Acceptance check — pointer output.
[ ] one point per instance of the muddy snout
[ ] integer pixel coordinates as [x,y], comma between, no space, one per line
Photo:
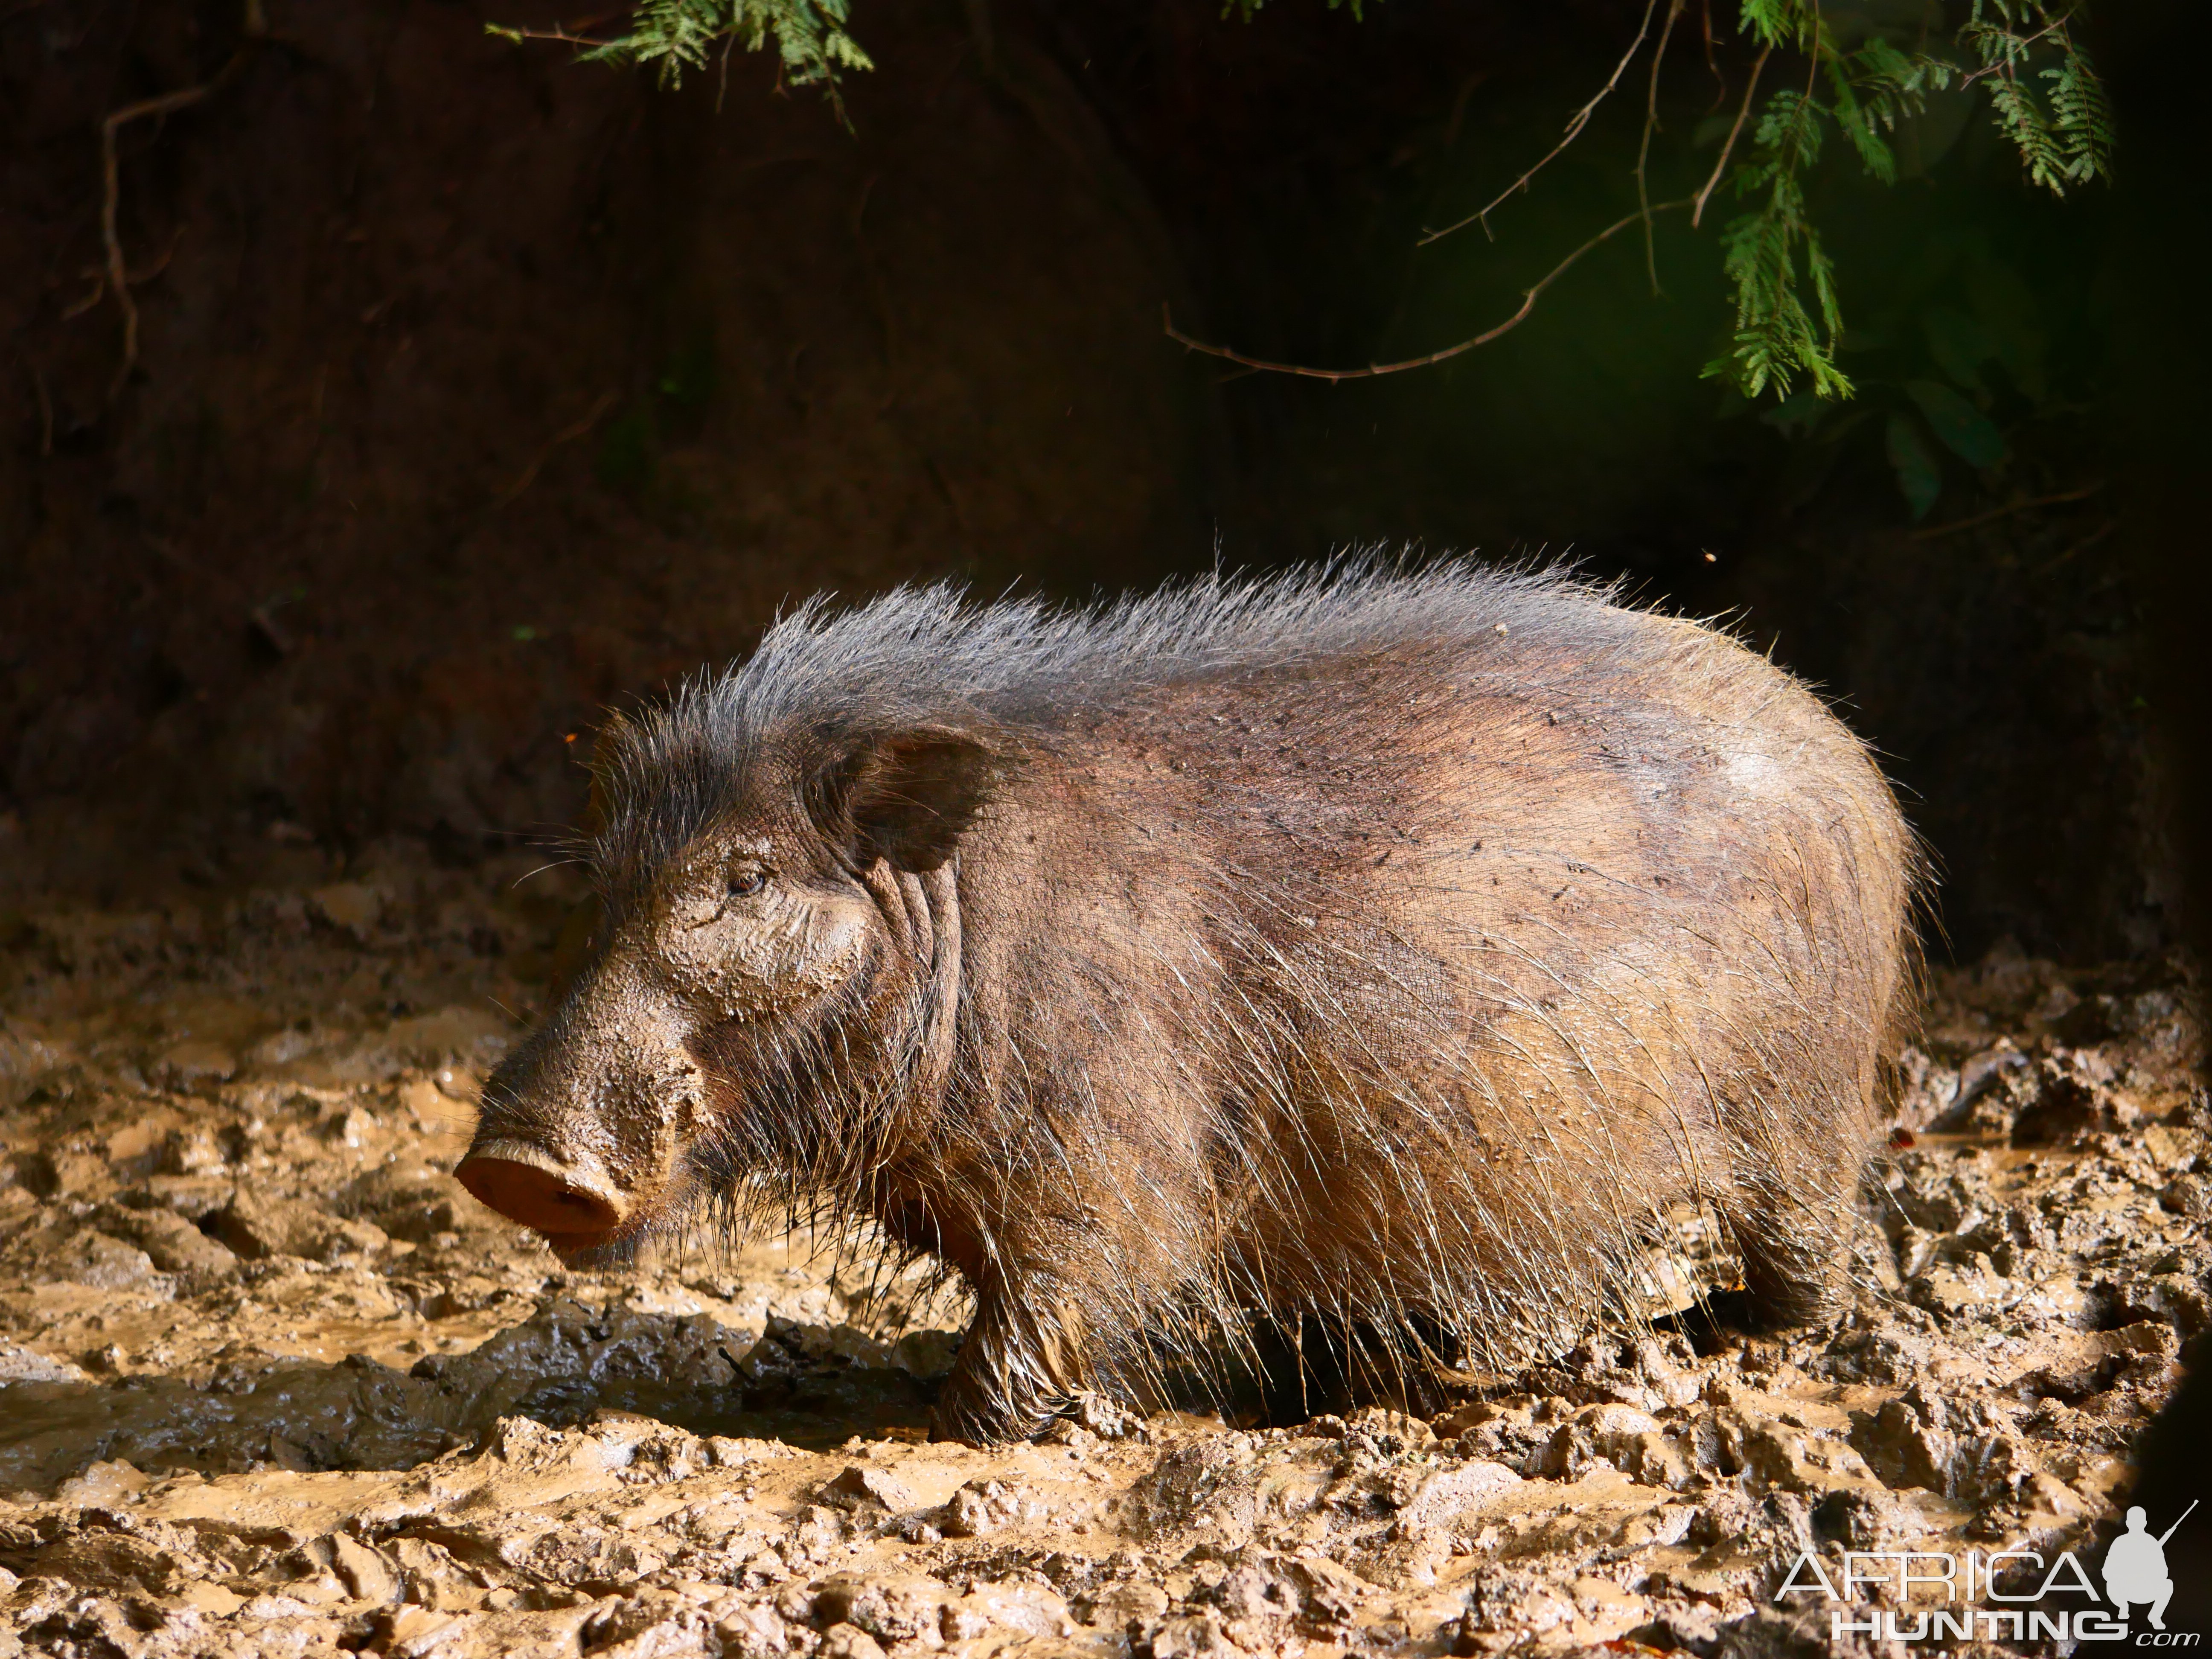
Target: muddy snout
[578,1134]
[575,1209]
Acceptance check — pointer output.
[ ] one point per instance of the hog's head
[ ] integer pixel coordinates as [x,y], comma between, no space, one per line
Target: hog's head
[766,960]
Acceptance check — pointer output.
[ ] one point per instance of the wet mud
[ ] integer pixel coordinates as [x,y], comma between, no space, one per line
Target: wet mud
[271,1383]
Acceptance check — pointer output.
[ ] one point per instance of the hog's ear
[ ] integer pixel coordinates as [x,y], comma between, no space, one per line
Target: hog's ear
[907,797]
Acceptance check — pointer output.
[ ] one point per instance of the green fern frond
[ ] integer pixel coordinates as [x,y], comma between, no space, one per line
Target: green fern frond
[2066,136]
[1859,123]
[1767,253]
[2025,124]
[2082,116]
[1783,23]
[674,35]
[1824,284]
[2045,94]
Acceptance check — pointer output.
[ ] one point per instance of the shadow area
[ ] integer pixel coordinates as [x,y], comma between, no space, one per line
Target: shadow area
[810,1386]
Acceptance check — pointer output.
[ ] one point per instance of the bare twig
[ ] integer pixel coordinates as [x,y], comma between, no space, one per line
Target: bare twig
[564,34]
[46,409]
[98,291]
[566,434]
[1720,168]
[185,562]
[140,278]
[262,616]
[1934,530]
[1643,150]
[2016,51]
[1529,298]
[119,277]
[1574,125]
[2086,542]
[77,308]
[877,290]
[1459,107]
[280,638]
[1713,63]
[983,36]
[560,37]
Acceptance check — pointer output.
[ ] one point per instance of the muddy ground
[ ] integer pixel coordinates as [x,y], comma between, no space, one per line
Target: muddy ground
[270,1382]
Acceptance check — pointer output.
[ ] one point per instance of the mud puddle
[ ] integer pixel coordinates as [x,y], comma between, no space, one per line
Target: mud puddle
[269,1382]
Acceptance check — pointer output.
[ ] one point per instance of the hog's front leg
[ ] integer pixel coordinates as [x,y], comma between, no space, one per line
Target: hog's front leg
[1032,1347]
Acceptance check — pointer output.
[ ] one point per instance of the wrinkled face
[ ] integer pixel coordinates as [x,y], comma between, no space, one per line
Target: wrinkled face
[717,951]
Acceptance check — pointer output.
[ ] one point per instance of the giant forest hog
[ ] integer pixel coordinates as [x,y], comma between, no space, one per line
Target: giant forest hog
[1406,952]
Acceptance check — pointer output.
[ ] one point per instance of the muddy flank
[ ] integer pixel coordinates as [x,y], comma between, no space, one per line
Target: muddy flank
[270,1382]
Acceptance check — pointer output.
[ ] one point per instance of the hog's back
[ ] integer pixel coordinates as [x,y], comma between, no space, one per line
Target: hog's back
[1532,953]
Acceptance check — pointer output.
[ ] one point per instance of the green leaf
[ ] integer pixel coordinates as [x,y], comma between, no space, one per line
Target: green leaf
[2004,304]
[675,35]
[1960,344]
[1803,409]
[1919,474]
[1858,124]
[1783,23]
[1775,337]
[626,457]
[1965,431]
[2081,116]
[1710,131]
[2066,135]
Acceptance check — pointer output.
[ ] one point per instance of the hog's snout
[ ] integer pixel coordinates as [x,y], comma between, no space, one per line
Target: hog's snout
[581,1133]
[574,1208]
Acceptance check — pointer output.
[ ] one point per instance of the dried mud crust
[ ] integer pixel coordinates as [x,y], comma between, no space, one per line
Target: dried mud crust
[269,1382]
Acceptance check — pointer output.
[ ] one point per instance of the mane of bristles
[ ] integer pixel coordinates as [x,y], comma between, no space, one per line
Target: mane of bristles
[1482,1273]
[930,656]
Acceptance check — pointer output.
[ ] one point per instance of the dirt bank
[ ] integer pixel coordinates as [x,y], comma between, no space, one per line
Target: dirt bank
[474,389]
[273,1384]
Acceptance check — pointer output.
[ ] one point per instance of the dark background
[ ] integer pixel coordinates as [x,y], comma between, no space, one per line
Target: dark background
[478,391]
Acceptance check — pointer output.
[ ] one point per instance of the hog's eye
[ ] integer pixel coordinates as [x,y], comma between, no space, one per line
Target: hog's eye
[744,883]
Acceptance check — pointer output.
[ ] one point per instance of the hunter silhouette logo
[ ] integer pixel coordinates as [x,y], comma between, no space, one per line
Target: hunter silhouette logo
[2135,1567]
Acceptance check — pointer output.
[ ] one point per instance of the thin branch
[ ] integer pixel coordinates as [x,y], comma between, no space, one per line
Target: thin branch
[1459,107]
[186,562]
[133,279]
[46,409]
[76,308]
[1529,298]
[1643,150]
[119,277]
[2016,49]
[1712,62]
[1575,124]
[568,434]
[1698,213]
[561,33]
[1934,530]
[140,278]
[2082,546]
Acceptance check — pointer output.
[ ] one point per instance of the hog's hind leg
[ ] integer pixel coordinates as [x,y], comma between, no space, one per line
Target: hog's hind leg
[1796,1206]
